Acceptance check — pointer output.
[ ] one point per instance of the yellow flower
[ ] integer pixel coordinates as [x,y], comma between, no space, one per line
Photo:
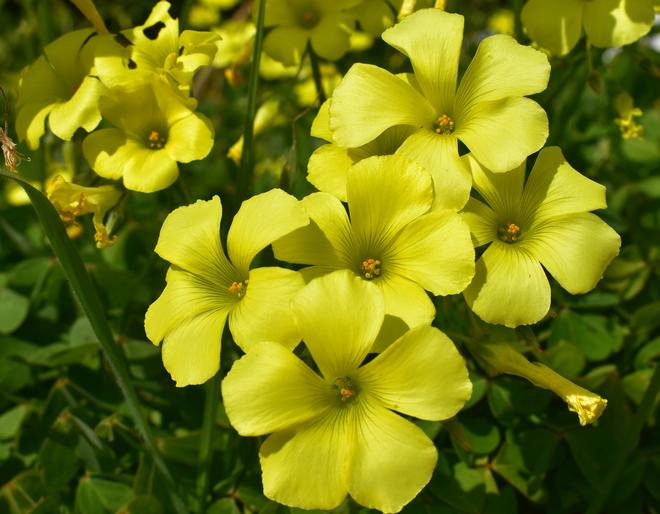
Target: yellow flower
[392,238]
[556,25]
[488,110]
[630,129]
[338,432]
[72,200]
[204,287]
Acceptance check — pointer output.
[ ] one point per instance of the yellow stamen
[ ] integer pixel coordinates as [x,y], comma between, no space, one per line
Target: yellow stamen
[509,232]
[156,141]
[444,125]
[238,288]
[370,268]
[309,19]
[345,388]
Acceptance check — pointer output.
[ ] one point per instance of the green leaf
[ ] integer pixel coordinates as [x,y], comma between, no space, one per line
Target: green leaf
[14,309]
[100,496]
[462,487]
[29,272]
[11,420]
[482,435]
[81,283]
[565,358]
[597,336]
[144,505]
[224,506]
[509,397]
[57,455]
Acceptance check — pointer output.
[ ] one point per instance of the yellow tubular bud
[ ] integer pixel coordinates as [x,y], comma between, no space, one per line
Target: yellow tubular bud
[502,358]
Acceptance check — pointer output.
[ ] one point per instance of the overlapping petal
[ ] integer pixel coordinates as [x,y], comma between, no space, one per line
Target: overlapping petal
[108,152]
[616,23]
[284,393]
[439,155]
[421,375]
[81,110]
[263,314]
[368,89]
[501,191]
[327,169]
[286,44]
[406,300]
[262,219]
[436,252]
[384,195]
[482,221]
[556,25]
[508,272]
[339,316]
[148,171]
[326,241]
[432,39]
[330,39]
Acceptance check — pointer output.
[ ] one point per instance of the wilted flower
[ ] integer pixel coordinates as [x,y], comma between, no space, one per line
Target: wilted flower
[544,224]
[336,434]
[155,129]
[204,288]
[72,200]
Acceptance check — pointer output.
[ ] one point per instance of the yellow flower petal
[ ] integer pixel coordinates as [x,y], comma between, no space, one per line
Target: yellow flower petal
[270,389]
[384,195]
[191,351]
[482,221]
[264,313]
[327,169]
[262,219]
[432,39]
[147,170]
[340,337]
[555,188]
[501,191]
[393,460]
[326,241]
[81,110]
[330,38]
[508,271]
[575,249]
[190,138]
[422,374]
[502,134]
[190,239]
[501,68]
[406,300]
[309,467]
[286,44]
[108,151]
[435,251]
[616,23]
[555,26]
[321,123]
[369,100]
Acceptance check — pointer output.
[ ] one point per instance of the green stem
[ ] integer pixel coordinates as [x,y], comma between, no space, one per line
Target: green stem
[206,440]
[247,159]
[638,422]
[316,72]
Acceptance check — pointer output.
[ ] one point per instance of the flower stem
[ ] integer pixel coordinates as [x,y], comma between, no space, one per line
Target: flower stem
[247,159]
[206,440]
[316,72]
[642,414]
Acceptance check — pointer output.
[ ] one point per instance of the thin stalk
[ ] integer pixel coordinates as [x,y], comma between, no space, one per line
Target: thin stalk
[316,72]
[247,159]
[206,440]
[638,422]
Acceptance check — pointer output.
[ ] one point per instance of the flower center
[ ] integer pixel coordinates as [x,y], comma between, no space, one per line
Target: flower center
[156,141]
[238,288]
[444,125]
[509,232]
[309,19]
[346,388]
[370,268]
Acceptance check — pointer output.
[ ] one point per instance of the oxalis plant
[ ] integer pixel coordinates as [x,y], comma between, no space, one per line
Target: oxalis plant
[343,256]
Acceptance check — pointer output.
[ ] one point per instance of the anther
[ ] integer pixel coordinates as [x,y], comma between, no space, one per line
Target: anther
[238,288]
[370,268]
[509,232]
[156,141]
[346,388]
[444,125]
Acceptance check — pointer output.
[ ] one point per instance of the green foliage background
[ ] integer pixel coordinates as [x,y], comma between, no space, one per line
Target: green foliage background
[68,442]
